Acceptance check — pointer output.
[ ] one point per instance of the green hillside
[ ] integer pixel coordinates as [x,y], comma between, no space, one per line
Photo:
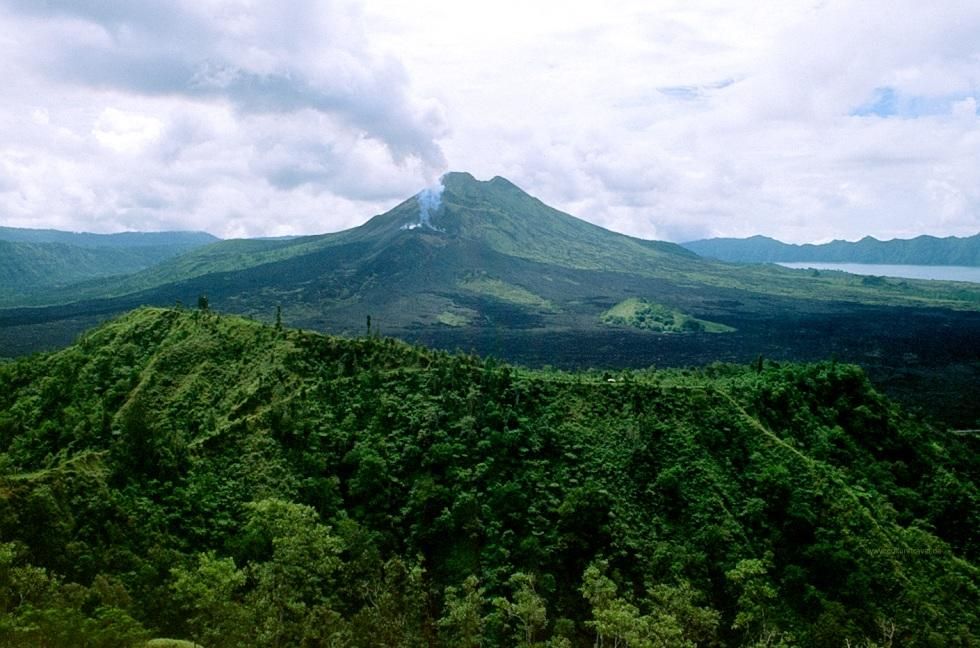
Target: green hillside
[212,479]
[513,223]
[29,266]
[49,260]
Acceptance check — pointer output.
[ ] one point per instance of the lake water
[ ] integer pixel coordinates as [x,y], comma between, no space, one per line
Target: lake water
[946,273]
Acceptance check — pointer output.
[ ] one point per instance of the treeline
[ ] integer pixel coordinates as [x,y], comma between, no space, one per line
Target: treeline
[182,474]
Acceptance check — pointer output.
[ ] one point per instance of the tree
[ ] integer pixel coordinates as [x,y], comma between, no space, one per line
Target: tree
[462,622]
[297,582]
[396,610]
[526,608]
[676,606]
[38,609]
[620,624]
[756,598]
[208,593]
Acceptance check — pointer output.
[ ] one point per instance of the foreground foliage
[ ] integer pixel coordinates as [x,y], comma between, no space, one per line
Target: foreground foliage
[207,478]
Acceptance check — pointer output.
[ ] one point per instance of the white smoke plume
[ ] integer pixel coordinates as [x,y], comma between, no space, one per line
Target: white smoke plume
[429,200]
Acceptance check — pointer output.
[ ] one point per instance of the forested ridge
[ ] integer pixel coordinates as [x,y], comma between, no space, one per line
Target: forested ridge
[32,260]
[183,474]
[921,250]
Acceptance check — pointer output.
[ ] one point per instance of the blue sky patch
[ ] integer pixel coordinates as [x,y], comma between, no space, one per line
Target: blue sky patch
[888,102]
[691,92]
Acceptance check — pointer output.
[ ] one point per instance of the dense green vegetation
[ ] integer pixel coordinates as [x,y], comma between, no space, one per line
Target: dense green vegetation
[31,260]
[650,316]
[29,266]
[921,250]
[212,479]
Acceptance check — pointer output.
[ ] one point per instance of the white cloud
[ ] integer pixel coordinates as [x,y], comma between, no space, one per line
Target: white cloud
[680,120]
[126,132]
[236,117]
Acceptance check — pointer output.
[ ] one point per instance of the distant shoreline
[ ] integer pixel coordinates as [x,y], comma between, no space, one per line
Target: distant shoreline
[934,272]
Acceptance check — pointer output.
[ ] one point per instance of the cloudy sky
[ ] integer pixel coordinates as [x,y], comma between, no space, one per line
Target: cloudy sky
[665,119]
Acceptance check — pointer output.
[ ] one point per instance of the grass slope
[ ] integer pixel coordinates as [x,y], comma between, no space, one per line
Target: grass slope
[650,316]
[218,480]
[484,285]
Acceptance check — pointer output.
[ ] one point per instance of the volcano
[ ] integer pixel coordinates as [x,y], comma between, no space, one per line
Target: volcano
[492,269]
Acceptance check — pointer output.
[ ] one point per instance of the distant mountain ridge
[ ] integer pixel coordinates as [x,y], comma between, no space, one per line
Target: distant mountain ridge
[183,240]
[44,258]
[921,250]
